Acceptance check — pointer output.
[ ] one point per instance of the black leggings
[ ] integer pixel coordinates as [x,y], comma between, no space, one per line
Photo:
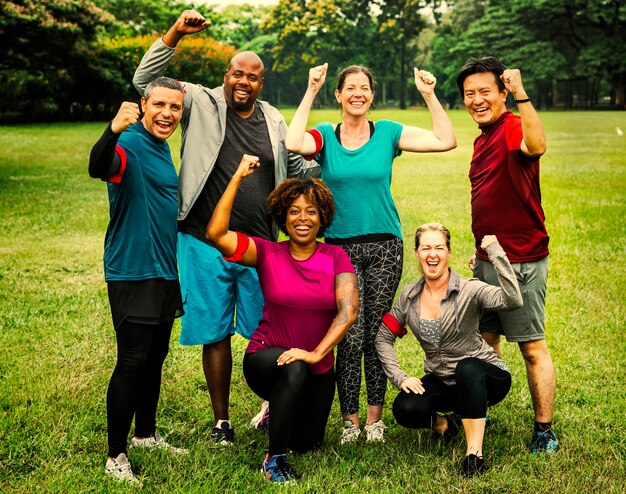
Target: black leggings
[136,381]
[478,384]
[299,400]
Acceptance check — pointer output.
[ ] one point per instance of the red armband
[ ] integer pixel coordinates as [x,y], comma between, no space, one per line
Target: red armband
[243,241]
[117,178]
[393,325]
[317,137]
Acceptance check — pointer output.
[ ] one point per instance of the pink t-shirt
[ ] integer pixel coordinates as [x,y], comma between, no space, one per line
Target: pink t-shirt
[299,297]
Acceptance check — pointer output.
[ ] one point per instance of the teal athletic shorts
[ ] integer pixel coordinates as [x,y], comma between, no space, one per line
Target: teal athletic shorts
[220,298]
[528,322]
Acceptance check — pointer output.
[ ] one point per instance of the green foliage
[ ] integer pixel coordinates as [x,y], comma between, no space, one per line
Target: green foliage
[57,347]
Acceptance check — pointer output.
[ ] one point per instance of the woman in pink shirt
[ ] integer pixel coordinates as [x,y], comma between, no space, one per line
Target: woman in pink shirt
[310,301]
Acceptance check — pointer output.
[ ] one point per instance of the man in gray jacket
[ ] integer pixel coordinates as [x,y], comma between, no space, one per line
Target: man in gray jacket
[219,126]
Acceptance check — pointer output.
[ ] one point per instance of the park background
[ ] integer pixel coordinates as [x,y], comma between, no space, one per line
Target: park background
[70,62]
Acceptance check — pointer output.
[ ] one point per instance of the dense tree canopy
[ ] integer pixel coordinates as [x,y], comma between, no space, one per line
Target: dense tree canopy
[74,58]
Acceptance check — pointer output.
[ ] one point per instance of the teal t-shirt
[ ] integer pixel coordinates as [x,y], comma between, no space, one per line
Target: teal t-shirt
[140,241]
[360,181]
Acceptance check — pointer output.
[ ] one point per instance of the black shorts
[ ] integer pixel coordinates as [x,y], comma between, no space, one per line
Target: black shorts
[145,302]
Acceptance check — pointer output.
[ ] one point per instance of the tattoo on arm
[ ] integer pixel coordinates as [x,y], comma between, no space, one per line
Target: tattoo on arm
[348,296]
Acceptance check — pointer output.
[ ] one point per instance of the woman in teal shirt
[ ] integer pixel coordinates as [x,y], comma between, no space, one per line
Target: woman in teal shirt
[356,158]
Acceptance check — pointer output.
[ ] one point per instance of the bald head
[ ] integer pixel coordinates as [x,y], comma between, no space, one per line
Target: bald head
[243,82]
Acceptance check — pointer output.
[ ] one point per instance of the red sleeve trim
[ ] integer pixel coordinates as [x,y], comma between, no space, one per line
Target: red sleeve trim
[117,178]
[513,133]
[243,241]
[319,142]
[394,326]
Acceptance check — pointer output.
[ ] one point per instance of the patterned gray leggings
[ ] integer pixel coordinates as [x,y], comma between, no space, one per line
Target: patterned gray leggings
[378,266]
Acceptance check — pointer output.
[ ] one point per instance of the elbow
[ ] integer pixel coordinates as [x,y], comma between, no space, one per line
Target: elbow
[291,145]
[352,314]
[211,235]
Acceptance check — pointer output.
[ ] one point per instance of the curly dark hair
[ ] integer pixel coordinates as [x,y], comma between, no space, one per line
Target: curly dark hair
[283,196]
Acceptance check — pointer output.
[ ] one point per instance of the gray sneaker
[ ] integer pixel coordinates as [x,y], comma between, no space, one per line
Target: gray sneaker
[156,441]
[375,432]
[350,433]
[119,469]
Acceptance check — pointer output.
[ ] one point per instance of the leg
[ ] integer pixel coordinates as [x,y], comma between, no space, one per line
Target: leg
[541,378]
[314,412]
[382,277]
[416,411]
[133,344]
[350,351]
[284,387]
[217,363]
[479,384]
[150,381]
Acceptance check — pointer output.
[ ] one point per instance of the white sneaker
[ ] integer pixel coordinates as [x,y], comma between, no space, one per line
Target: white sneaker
[375,432]
[261,420]
[119,469]
[156,442]
[350,433]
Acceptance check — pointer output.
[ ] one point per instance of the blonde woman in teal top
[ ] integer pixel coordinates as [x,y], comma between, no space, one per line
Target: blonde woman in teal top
[356,157]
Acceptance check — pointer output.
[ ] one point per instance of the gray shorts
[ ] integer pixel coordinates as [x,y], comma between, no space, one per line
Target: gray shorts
[528,322]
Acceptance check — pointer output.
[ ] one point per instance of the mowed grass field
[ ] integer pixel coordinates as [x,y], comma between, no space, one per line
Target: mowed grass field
[57,346]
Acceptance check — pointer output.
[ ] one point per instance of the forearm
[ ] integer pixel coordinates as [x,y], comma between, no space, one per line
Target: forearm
[153,64]
[295,140]
[509,295]
[103,160]
[387,355]
[442,126]
[217,227]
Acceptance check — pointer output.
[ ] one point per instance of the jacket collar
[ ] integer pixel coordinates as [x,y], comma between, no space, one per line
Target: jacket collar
[454,284]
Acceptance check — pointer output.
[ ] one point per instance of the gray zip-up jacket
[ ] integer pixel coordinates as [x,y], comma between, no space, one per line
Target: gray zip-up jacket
[203,126]
[460,313]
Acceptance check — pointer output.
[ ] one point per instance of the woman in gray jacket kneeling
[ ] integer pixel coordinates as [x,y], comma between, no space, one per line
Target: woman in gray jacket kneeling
[463,373]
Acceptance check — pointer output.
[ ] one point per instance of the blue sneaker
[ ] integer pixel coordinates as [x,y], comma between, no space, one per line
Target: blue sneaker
[276,469]
[544,441]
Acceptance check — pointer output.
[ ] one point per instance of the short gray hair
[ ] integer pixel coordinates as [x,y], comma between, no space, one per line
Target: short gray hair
[166,82]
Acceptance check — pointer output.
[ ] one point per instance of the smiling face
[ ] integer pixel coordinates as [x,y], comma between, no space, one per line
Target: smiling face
[162,111]
[482,98]
[243,82]
[302,221]
[356,94]
[433,254]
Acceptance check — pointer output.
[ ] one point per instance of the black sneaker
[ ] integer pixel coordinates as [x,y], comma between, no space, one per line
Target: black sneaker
[473,465]
[224,435]
[544,441]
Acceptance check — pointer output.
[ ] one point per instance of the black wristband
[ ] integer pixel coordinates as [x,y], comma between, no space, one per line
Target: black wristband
[518,101]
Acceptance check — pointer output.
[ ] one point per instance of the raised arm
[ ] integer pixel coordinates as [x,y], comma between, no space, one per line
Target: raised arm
[157,58]
[104,162]
[217,232]
[347,297]
[442,137]
[297,139]
[534,140]
[506,296]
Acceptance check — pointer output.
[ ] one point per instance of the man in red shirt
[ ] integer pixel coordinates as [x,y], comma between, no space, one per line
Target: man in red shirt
[506,202]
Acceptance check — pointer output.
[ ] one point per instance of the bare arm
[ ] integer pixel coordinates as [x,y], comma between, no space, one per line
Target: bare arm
[534,140]
[297,139]
[442,137]
[347,297]
[217,232]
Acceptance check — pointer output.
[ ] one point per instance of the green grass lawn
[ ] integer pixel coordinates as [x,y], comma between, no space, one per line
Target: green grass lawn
[57,346]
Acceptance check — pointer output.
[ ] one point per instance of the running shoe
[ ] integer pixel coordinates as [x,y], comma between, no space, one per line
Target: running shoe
[375,432]
[276,469]
[223,435]
[261,421]
[544,441]
[156,441]
[119,469]
[350,433]
[473,465]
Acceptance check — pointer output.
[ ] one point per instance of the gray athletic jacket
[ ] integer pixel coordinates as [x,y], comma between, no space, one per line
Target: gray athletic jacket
[203,128]
[460,313]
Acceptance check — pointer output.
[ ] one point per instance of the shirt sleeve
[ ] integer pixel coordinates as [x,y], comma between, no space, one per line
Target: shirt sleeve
[342,261]
[513,134]
[107,160]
